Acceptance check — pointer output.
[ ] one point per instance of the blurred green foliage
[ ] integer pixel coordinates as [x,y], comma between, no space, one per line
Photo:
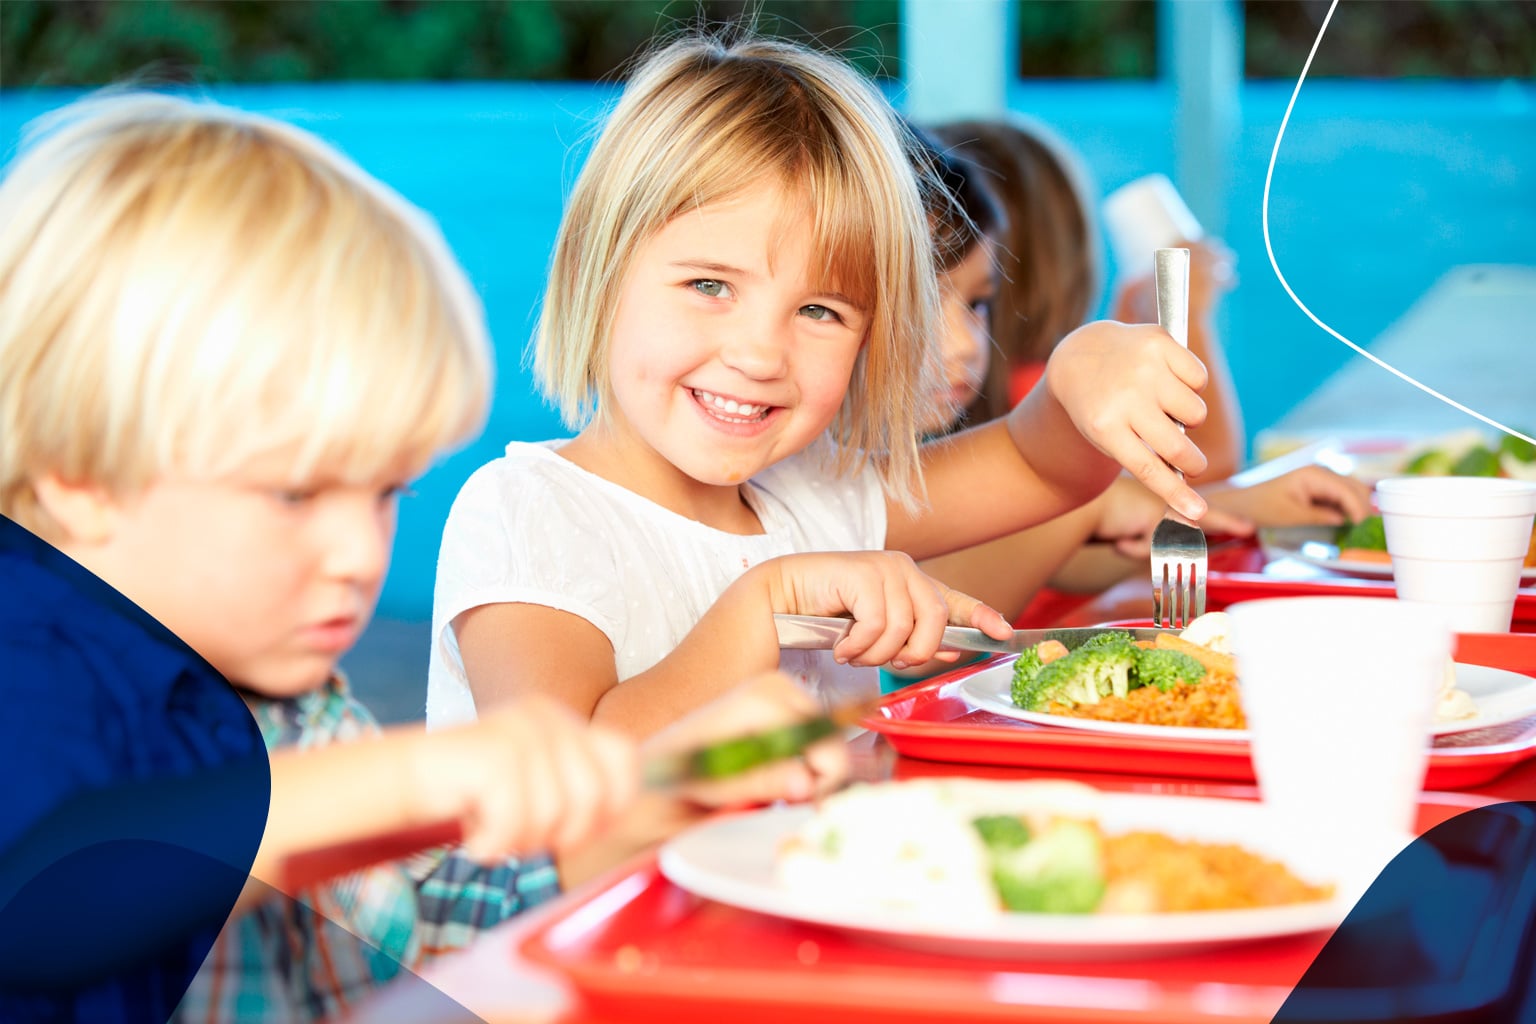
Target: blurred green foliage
[1392,38]
[90,42]
[1087,39]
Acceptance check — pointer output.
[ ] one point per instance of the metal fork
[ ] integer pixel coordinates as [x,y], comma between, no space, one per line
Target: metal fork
[1178,549]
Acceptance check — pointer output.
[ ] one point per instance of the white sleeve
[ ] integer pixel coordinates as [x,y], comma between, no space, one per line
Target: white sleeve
[832,513]
[515,536]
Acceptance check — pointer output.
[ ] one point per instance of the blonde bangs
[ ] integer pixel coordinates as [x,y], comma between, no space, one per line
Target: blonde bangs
[701,121]
[195,288]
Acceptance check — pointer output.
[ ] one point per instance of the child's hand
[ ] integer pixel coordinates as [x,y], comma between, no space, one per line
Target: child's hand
[1130,513]
[655,816]
[899,612]
[1308,495]
[1123,386]
[527,776]
[758,704]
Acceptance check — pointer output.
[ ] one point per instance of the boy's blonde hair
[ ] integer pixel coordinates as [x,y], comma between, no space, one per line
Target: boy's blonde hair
[700,121]
[185,288]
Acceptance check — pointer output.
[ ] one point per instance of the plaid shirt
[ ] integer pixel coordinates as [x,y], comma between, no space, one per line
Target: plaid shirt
[314,957]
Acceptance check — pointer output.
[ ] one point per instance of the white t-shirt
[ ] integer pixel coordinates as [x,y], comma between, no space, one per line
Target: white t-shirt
[532,527]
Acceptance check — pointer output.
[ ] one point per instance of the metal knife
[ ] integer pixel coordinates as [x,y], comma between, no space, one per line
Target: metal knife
[822,632]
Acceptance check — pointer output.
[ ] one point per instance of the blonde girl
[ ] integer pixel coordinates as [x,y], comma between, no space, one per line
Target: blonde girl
[739,325]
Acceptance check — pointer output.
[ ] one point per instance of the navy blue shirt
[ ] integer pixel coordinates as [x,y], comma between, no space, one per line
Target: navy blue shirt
[136,787]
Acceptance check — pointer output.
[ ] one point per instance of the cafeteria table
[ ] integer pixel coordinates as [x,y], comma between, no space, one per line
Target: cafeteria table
[631,947]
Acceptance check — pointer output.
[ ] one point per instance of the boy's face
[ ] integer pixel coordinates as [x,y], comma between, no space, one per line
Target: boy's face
[270,584]
[728,352]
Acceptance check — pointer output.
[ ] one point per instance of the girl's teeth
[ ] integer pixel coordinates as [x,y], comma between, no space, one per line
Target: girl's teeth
[730,406]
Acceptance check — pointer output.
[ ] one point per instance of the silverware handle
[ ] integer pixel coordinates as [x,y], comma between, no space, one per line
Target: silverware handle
[1170,269]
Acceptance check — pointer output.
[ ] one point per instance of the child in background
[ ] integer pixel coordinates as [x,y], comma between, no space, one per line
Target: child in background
[224,351]
[740,320]
[971,228]
[1050,272]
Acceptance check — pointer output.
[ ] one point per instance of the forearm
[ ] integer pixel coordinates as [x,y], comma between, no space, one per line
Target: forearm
[377,775]
[1056,449]
[734,639]
[1008,572]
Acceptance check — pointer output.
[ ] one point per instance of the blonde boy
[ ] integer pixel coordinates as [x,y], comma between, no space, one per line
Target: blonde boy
[224,350]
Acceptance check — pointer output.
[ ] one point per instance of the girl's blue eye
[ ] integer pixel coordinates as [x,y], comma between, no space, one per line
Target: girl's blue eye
[821,313]
[294,497]
[712,289]
[982,307]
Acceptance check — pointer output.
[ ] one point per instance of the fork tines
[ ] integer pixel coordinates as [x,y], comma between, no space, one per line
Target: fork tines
[1178,573]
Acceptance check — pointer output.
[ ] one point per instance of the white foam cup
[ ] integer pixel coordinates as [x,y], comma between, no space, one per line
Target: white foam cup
[1459,543]
[1145,215]
[1339,693]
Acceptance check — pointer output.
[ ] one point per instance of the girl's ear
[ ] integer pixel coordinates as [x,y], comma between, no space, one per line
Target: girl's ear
[85,513]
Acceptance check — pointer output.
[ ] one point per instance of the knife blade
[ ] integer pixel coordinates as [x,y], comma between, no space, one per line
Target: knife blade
[738,754]
[822,632]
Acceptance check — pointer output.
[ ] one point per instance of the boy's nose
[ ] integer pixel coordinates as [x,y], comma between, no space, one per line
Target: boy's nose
[357,548]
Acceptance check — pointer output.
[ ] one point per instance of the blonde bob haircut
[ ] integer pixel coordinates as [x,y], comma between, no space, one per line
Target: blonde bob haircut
[185,288]
[704,120]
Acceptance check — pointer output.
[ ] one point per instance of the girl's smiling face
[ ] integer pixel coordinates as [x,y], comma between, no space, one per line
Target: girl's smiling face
[730,349]
[967,290]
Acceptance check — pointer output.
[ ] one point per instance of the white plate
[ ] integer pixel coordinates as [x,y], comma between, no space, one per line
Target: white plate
[731,860]
[1314,545]
[1501,697]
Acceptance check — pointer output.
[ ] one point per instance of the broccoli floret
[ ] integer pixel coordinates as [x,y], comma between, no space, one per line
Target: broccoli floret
[1478,461]
[1025,669]
[1059,871]
[1001,832]
[1433,462]
[1108,638]
[1520,450]
[1082,677]
[1369,533]
[1162,667]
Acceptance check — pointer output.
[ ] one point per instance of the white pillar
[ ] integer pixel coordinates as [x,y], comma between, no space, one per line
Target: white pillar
[1200,50]
[958,57]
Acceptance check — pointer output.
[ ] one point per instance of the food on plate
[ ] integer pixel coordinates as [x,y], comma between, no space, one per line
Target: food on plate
[1473,453]
[1366,541]
[1452,703]
[964,847]
[1186,680]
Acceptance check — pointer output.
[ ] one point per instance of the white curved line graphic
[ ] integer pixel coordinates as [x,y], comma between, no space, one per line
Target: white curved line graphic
[1269,248]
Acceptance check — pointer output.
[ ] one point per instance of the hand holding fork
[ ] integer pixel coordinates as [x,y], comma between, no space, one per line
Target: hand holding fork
[1179,555]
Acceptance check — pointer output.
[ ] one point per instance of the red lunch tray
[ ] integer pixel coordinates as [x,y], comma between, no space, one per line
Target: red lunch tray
[935,721]
[1240,572]
[639,949]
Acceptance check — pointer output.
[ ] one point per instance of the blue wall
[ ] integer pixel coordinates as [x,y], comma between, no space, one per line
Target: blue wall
[1380,188]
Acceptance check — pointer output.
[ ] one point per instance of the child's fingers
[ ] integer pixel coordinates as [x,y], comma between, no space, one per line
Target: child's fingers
[931,614]
[965,610]
[1155,475]
[1186,365]
[1179,403]
[1217,520]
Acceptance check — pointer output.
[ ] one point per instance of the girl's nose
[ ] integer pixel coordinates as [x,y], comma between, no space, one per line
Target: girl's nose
[757,350]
